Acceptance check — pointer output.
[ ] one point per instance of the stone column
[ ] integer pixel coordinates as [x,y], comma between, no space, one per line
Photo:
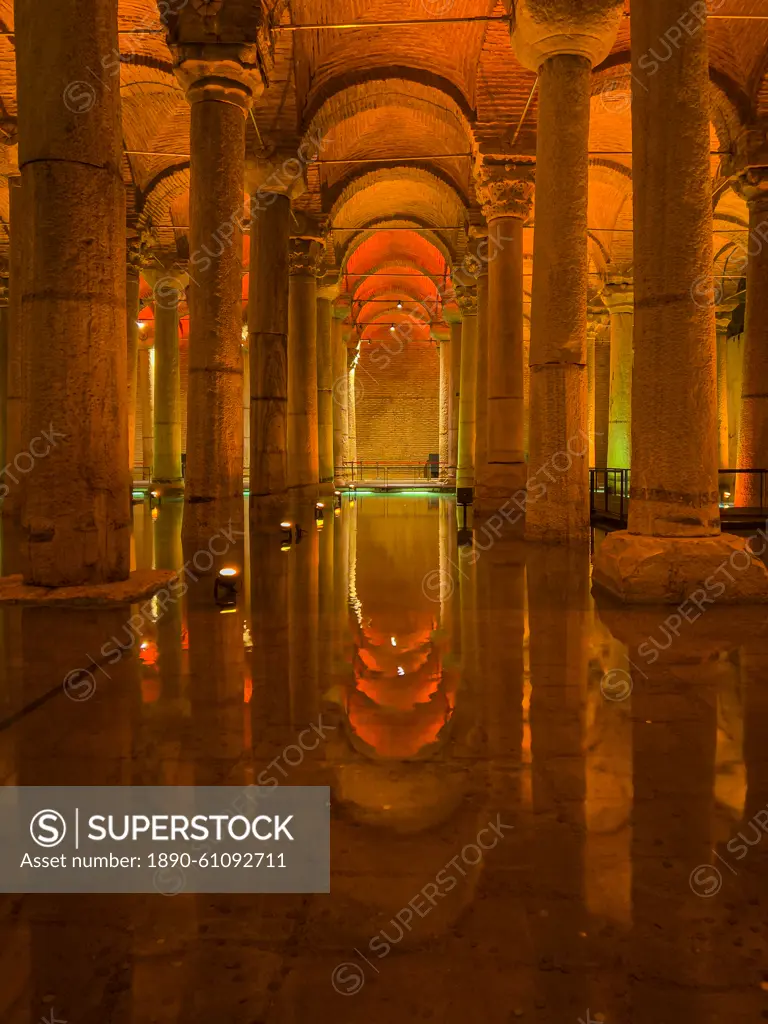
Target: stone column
[592,327]
[246,406]
[340,397]
[303,454]
[753,428]
[273,183]
[4,322]
[132,306]
[144,384]
[466,296]
[444,348]
[168,290]
[77,513]
[11,505]
[454,399]
[562,44]
[268,341]
[506,192]
[326,293]
[602,389]
[221,81]
[673,544]
[352,357]
[480,454]
[723,316]
[619,300]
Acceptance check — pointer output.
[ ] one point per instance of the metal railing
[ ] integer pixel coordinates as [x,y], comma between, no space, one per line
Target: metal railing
[743,495]
[391,474]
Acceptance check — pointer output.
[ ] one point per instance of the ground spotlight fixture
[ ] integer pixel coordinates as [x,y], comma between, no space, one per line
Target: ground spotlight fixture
[319,512]
[225,587]
[337,500]
[464,537]
[155,499]
[287,529]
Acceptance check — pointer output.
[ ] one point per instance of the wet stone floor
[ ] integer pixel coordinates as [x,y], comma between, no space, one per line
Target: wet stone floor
[531,819]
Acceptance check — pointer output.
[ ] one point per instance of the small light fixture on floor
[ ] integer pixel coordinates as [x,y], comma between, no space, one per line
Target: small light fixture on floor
[155,499]
[225,587]
[319,514]
[337,500]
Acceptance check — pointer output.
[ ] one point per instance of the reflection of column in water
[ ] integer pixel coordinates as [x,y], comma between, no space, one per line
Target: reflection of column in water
[303,583]
[326,615]
[501,577]
[675,861]
[674,734]
[216,669]
[166,675]
[557,598]
[270,703]
[67,742]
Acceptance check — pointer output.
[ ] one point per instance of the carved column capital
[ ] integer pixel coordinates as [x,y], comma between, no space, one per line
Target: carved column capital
[222,49]
[305,257]
[138,252]
[504,188]
[548,28]
[466,298]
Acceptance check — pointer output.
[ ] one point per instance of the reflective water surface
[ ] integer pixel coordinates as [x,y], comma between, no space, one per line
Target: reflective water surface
[531,820]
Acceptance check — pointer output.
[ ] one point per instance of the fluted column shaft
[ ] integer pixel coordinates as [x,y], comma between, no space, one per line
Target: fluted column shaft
[268,343]
[76,514]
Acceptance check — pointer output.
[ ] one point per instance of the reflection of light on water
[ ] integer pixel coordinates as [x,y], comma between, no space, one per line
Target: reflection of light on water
[247,638]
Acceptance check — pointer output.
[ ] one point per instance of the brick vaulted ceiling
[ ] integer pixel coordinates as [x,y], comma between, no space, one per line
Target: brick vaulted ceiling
[403,112]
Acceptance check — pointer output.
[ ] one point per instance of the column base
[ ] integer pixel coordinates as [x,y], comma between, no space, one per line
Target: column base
[139,585]
[638,569]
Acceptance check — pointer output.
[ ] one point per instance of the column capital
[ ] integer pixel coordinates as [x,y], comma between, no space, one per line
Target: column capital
[475,261]
[328,287]
[747,167]
[222,49]
[724,312]
[278,171]
[504,187]
[139,249]
[466,298]
[542,29]
[618,295]
[305,257]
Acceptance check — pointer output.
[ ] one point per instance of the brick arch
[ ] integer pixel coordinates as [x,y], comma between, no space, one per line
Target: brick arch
[388,117]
